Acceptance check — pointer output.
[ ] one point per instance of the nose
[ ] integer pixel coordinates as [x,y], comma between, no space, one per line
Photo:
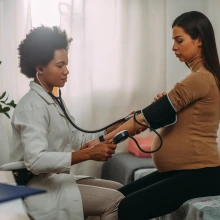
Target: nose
[66,70]
[175,47]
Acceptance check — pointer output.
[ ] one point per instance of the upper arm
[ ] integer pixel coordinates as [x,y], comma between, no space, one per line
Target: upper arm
[192,88]
[33,124]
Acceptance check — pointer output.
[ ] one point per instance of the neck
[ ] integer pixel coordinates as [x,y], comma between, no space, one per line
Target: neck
[38,81]
[195,63]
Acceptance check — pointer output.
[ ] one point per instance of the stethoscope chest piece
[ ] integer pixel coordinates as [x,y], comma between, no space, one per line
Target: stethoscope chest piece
[121,136]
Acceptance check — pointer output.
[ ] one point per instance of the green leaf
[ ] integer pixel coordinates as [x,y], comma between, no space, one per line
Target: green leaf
[6,99]
[5,109]
[7,114]
[6,106]
[3,95]
[12,104]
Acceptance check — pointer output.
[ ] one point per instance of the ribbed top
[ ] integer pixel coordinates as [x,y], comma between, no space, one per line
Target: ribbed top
[191,142]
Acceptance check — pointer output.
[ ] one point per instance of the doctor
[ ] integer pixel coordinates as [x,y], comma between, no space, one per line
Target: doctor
[50,145]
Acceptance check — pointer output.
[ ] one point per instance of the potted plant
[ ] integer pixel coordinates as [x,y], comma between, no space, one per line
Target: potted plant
[6,105]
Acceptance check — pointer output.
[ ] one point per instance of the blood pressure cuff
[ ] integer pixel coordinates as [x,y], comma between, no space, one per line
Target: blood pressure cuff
[160,113]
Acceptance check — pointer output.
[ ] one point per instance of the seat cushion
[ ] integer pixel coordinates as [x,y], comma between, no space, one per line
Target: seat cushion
[145,144]
[121,167]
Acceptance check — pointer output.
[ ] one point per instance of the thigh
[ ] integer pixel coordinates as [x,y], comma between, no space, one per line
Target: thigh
[145,181]
[170,193]
[99,200]
[100,182]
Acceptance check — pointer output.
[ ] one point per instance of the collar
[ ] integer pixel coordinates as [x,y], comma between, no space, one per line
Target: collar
[41,92]
[196,63]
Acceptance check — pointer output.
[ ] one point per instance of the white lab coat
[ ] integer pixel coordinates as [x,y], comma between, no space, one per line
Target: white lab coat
[44,139]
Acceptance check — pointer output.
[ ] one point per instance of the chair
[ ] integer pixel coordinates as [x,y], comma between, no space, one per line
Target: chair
[21,174]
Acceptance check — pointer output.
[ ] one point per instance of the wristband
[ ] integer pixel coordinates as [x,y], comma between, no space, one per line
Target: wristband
[101,138]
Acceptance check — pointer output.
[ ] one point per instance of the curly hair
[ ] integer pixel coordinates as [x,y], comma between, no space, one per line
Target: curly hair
[39,46]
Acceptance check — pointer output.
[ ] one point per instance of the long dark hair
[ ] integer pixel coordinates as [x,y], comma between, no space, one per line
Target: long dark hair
[197,25]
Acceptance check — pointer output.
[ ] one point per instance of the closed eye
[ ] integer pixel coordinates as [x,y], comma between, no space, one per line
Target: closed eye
[179,41]
[61,64]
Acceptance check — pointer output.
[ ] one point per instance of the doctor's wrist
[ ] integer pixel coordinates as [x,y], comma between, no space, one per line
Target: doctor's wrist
[80,156]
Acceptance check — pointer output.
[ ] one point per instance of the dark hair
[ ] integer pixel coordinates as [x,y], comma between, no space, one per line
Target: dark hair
[197,25]
[39,46]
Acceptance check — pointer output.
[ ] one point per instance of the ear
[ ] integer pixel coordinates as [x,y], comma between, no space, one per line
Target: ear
[39,69]
[199,43]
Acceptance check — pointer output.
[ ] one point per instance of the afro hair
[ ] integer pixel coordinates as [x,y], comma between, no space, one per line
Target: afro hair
[39,46]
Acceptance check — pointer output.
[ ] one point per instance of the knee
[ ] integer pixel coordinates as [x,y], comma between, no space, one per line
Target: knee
[114,200]
[112,184]
[117,185]
[114,197]
[118,197]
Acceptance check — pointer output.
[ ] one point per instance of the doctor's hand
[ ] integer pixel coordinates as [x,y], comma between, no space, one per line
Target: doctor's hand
[102,151]
[90,144]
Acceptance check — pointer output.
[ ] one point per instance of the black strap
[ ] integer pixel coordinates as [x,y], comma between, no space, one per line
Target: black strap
[22,176]
[101,138]
[160,113]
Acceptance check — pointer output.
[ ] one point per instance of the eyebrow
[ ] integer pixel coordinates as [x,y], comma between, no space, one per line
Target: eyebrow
[62,62]
[177,36]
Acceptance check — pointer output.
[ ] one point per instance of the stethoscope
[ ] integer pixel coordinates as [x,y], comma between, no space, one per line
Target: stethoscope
[121,136]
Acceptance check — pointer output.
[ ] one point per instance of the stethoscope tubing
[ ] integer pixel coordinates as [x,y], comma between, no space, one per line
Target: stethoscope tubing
[59,101]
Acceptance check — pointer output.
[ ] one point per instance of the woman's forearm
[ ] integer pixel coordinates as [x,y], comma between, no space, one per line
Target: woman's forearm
[131,126]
